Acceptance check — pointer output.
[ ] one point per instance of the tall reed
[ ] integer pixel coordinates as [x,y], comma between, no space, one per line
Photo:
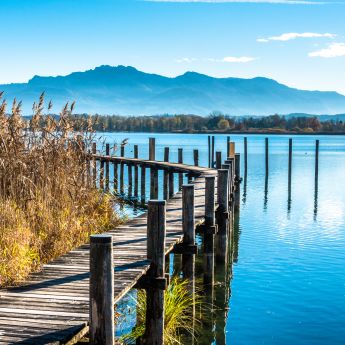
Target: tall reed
[48,203]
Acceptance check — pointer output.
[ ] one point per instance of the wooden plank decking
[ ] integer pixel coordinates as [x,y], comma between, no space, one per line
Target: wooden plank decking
[52,306]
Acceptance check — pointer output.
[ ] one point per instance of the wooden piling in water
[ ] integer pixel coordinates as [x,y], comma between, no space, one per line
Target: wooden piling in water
[245,154]
[317,145]
[152,149]
[166,175]
[222,214]
[101,175]
[153,170]
[209,150]
[210,230]
[102,328]
[237,167]
[266,155]
[290,164]
[180,161]
[196,157]
[227,146]
[218,159]
[136,173]
[156,228]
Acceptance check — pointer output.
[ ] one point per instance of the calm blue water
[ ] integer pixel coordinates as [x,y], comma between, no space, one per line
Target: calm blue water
[288,276]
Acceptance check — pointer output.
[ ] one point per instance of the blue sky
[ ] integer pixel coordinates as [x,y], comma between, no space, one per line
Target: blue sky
[299,43]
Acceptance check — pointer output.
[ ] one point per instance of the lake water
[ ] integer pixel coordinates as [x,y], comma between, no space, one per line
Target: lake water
[287,282]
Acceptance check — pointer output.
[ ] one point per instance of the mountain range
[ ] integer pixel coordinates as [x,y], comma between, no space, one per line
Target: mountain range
[127,91]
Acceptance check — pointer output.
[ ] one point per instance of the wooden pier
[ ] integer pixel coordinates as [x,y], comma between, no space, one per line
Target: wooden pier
[52,306]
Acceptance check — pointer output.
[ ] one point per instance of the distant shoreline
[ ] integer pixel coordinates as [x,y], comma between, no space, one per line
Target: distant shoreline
[229,133]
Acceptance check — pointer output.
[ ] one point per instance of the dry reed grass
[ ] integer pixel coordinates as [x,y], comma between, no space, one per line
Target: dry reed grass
[48,203]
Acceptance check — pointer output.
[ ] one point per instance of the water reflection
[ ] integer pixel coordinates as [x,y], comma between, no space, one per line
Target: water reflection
[266,192]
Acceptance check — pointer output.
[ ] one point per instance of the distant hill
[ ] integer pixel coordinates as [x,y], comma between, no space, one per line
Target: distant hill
[127,91]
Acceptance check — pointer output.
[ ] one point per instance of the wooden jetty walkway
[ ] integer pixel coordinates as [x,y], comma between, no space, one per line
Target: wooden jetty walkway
[52,306]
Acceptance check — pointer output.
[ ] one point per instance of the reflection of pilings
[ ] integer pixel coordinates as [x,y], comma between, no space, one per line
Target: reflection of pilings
[245,187]
[142,184]
[236,236]
[316,189]
[130,180]
[237,198]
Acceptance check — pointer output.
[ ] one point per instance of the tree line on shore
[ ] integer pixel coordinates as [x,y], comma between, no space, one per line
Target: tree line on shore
[214,122]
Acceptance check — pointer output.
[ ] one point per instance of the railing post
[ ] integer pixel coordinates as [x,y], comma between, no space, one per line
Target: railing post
[102,328]
[171,184]
[156,228]
[122,167]
[152,149]
[136,173]
[166,174]
[142,184]
[196,157]
[180,161]
[94,164]
[130,180]
[218,159]
[107,153]
[210,230]
[212,154]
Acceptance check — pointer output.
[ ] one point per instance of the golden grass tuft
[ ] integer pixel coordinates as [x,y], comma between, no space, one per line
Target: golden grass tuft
[48,202]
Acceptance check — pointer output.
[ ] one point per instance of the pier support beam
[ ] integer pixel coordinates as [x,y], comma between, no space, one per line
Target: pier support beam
[156,228]
[102,328]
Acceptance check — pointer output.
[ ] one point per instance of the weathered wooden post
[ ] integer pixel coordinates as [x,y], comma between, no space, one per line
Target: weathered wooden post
[227,166]
[222,214]
[171,184]
[210,230]
[266,155]
[122,168]
[153,170]
[142,184]
[94,164]
[102,328]
[180,161]
[212,159]
[101,175]
[227,147]
[152,149]
[136,173]
[317,145]
[130,180]
[188,227]
[218,159]
[209,150]
[245,153]
[107,153]
[196,157]
[166,175]
[290,172]
[156,227]
[237,168]
[188,257]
